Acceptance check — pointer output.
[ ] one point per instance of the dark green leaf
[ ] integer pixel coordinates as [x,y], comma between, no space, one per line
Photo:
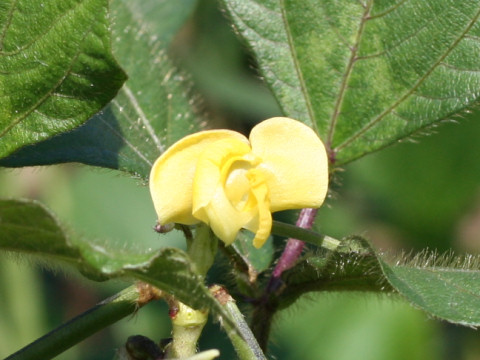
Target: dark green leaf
[56,68]
[364,74]
[27,227]
[247,263]
[151,111]
[353,266]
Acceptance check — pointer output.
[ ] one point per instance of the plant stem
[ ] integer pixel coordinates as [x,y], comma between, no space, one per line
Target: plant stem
[79,328]
[202,249]
[187,326]
[292,250]
[245,344]
[308,236]
[262,317]
[267,305]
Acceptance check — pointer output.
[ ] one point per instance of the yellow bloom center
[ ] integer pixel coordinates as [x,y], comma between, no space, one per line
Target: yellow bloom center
[229,191]
[222,179]
[237,184]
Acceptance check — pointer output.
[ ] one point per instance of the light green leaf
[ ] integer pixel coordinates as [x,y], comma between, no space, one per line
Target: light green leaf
[448,293]
[26,227]
[152,110]
[447,288]
[56,68]
[258,260]
[365,73]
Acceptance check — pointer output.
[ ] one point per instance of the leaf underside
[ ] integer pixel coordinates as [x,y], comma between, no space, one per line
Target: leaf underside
[56,68]
[151,111]
[451,294]
[365,74]
[28,228]
[447,289]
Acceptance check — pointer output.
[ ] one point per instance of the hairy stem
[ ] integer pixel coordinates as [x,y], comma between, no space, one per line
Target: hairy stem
[261,323]
[79,328]
[245,344]
[266,306]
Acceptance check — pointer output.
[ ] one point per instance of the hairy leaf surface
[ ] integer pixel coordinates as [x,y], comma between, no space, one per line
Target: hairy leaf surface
[56,68]
[152,110]
[449,293]
[27,227]
[448,289]
[365,73]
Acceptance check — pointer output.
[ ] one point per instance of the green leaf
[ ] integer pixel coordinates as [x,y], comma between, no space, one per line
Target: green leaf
[448,293]
[258,260]
[146,13]
[56,68]
[153,109]
[364,74]
[27,227]
[248,262]
[354,266]
[446,287]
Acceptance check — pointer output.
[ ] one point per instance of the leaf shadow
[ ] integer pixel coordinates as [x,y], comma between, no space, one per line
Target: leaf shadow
[97,143]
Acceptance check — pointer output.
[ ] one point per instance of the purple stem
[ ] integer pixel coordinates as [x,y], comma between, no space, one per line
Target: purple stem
[293,249]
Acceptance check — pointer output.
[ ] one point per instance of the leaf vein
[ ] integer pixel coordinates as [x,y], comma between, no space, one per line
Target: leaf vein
[43,98]
[262,36]
[297,67]
[431,97]
[121,137]
[335,28]
[453,67]
[404,118]
[389,10]
[413,89]
[346,76]
[143,118]
[48,29]
[7,24]
[67,96]
[398,44]
[451,283]
[472,37]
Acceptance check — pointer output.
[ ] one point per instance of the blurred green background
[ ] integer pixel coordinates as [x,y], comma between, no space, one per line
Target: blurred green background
[424,193]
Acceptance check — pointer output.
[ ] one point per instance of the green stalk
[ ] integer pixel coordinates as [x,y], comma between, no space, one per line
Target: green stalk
[309,236]
[202,249]
[187,326]
[79,328]
[245,344]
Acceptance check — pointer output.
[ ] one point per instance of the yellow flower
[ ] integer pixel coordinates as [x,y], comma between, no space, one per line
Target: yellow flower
[230,182]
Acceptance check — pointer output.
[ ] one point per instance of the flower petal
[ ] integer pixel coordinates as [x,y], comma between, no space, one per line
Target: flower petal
[210,202]
[295,160]
[262,224]
[171,177]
